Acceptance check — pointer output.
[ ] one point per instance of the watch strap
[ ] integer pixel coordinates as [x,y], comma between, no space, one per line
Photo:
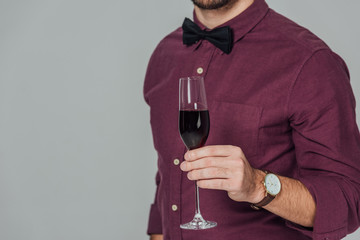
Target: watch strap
[265,201]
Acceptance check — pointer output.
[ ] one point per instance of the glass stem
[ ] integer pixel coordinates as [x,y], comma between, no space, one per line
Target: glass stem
[197,202]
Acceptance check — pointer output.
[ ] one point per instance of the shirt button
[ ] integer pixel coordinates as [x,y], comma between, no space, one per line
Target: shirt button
[174,208]
[200,70]
[176,161]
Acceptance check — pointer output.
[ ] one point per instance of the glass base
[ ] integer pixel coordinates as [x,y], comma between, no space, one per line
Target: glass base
[198,223]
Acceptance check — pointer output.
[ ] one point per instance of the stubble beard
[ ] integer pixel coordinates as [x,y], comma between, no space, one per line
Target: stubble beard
[212,4]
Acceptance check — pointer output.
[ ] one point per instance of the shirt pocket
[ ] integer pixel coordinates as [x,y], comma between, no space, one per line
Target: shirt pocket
[235,124]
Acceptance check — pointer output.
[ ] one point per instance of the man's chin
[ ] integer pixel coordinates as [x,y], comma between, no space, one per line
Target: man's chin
[211,4]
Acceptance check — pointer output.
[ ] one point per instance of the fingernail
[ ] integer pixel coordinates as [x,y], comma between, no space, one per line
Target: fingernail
[183,166]
[187,156]
[189,175]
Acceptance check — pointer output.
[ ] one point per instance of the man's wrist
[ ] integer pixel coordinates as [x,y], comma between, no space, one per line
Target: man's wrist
[259,188]
[156,237]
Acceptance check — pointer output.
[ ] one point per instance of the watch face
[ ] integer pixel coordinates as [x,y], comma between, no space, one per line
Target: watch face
[272,184]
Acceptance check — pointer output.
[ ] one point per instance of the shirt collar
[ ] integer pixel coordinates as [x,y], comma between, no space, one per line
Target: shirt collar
[244,22]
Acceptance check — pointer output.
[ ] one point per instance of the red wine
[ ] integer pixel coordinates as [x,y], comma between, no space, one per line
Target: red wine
[194,127]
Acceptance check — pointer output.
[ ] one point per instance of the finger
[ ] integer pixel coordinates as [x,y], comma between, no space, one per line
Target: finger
[216,184]
[209,151]
[206,162]
[209,173]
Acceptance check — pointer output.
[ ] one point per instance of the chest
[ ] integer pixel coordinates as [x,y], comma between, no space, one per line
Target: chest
[245,94]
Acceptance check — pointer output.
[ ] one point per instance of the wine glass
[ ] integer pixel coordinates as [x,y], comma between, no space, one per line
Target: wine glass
[194,126]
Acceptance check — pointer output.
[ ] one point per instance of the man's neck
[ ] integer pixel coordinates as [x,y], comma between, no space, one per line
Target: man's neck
[214,18]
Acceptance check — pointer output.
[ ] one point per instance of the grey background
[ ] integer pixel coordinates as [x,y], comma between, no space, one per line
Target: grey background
[76,156]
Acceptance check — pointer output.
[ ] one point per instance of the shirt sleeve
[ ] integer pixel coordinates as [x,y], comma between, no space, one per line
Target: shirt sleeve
[154,223]
[321,110]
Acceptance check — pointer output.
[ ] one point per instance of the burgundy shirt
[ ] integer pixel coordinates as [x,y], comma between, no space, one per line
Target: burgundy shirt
[282,96]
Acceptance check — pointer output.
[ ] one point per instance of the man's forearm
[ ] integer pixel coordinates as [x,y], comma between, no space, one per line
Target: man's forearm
[294,203]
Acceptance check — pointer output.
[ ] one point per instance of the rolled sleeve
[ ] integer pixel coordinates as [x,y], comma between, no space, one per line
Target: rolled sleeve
[155,222]
[327,144]
[331,209]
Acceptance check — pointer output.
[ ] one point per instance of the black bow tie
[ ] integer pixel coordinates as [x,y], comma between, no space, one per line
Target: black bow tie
[220,37]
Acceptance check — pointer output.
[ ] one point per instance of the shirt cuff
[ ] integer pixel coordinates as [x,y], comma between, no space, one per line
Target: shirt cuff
[154,224]
[334,235]
[331,209]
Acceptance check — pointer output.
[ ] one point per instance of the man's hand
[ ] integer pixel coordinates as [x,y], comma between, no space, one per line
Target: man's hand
[156,237]
[225,168]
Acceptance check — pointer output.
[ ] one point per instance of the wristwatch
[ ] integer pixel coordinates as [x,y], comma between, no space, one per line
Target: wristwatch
[272,186]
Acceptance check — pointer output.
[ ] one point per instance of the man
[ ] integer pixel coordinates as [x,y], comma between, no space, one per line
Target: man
[280,101]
